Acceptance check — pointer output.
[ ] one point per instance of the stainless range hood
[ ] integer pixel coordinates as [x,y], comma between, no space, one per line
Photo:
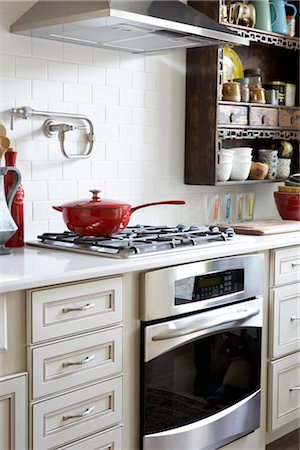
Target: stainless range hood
[129,25]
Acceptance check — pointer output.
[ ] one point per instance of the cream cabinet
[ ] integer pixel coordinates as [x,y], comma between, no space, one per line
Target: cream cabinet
[74,361]
[284,338]
[13,412]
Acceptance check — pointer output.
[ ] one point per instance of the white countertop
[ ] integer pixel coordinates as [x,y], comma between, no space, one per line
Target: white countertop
[30,267]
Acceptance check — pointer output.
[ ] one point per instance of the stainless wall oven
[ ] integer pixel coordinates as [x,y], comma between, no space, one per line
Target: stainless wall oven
[201,353]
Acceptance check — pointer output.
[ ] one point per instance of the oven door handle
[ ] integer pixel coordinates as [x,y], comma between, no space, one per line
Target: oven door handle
[239,315]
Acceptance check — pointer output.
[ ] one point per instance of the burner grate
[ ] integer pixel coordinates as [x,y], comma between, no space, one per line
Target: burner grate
[137,240]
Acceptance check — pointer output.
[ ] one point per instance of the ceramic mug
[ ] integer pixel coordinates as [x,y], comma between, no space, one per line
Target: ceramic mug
[270,157]
[283,168]
[231,91]
[263,16]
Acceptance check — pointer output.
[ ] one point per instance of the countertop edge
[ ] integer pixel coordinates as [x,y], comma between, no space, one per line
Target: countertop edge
[23,269]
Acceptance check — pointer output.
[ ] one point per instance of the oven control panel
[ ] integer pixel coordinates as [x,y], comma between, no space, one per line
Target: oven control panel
[203,287]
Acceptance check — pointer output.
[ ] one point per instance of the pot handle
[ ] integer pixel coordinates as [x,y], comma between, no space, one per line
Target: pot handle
[167,202]
[58,208]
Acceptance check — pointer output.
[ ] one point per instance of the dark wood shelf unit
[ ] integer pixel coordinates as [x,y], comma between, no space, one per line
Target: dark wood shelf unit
[205,132]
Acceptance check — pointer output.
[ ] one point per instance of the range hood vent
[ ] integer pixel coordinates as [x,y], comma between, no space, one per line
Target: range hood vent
[129,25]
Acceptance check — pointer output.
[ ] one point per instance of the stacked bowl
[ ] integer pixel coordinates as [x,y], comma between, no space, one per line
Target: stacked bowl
[287,198]
[224,166]
[241,163]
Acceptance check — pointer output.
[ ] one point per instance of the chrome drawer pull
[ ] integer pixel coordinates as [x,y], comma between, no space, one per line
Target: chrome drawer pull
[296,388]
[80,308]
[294,318]
[295,264]
[78,416]
[78,363]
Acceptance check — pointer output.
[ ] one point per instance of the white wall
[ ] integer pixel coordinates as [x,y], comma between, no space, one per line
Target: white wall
[137,106]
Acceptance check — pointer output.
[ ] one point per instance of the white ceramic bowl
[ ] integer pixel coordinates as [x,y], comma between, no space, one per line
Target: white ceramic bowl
[242,158]
[226,151]
[225,158]
[243,150]
[224,171]
[240,171]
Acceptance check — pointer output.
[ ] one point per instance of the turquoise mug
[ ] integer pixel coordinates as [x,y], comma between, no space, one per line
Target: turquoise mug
[278,15]
[263,15]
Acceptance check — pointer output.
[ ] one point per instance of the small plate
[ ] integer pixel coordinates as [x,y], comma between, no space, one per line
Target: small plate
[232,65]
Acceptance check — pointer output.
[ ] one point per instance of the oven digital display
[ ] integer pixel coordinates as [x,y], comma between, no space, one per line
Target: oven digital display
[204,287]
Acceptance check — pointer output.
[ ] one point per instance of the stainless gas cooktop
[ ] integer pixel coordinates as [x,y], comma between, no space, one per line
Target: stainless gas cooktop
[137,241]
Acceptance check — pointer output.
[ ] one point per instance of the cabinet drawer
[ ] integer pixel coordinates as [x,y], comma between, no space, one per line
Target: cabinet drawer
[233,115]
[284,377]
[289,118]
[285,312]
[285,266]
[72,416]
[108,440]
[263,117]
[73,362]
[64,310]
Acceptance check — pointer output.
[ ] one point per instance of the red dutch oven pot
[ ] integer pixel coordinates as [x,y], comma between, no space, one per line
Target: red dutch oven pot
[101,217]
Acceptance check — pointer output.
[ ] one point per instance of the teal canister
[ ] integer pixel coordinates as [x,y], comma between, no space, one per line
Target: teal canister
[278,15]
[263,15]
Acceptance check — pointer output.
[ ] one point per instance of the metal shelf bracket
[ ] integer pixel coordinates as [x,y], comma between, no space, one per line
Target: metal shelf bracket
[51,128]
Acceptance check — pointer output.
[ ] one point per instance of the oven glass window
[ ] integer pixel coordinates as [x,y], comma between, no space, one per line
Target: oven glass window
[201,378]
[207,286]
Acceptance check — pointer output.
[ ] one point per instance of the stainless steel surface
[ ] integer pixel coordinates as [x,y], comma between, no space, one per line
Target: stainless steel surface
[246,314]
[137,241]
[134,26]
[50,128]
[157,286]
[213,432]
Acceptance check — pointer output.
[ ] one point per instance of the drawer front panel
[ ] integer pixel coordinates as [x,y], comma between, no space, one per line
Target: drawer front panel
[233,115]
[263,117]
[61,311]
[109,440]
[285,309]
[77,414]
[77,361]
[286,266]
[289,118]
[284,395]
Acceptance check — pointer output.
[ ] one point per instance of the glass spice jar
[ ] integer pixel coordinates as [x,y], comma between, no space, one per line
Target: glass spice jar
[245,91]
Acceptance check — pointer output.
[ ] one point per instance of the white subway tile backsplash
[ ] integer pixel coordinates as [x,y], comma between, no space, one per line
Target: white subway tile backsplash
[132,97]
[16,87]
[143,116]
[46,170]
[35,190]
[14,44]
[118,78]
[118,115]
[106,133]
[145,81]
[91,74]
[80,92]
[105,95]
[118,151]
[143,186]
[57,226]
[96,113]
[7,65]
[85,186]
[143,152]
[118,189]
[31,150]
[133,134]
[132,62]
[25,169]
[80,54]
[61,71]
[130,169]
[44,210]
[33,229]
[42,48]
[31,68]
[76,169]
[106,58]
[47,89]
[104,170]
[66,190]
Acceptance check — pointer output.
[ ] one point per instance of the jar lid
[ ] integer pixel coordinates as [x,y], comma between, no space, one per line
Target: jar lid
[243,81]
[252,72]
[275,83]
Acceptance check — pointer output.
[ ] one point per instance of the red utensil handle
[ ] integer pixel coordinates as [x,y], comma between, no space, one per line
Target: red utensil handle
[58,208]
[167,202]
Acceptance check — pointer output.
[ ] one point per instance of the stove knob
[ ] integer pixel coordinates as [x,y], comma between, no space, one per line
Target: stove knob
[181,227]
[194,227]
[230,232]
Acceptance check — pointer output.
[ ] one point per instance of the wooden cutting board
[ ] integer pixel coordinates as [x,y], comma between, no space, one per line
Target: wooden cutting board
[264,227]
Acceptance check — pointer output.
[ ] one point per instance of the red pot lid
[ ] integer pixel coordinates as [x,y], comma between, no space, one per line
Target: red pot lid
[96,202]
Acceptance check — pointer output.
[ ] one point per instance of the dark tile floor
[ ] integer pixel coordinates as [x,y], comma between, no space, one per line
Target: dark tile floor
[288,442]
